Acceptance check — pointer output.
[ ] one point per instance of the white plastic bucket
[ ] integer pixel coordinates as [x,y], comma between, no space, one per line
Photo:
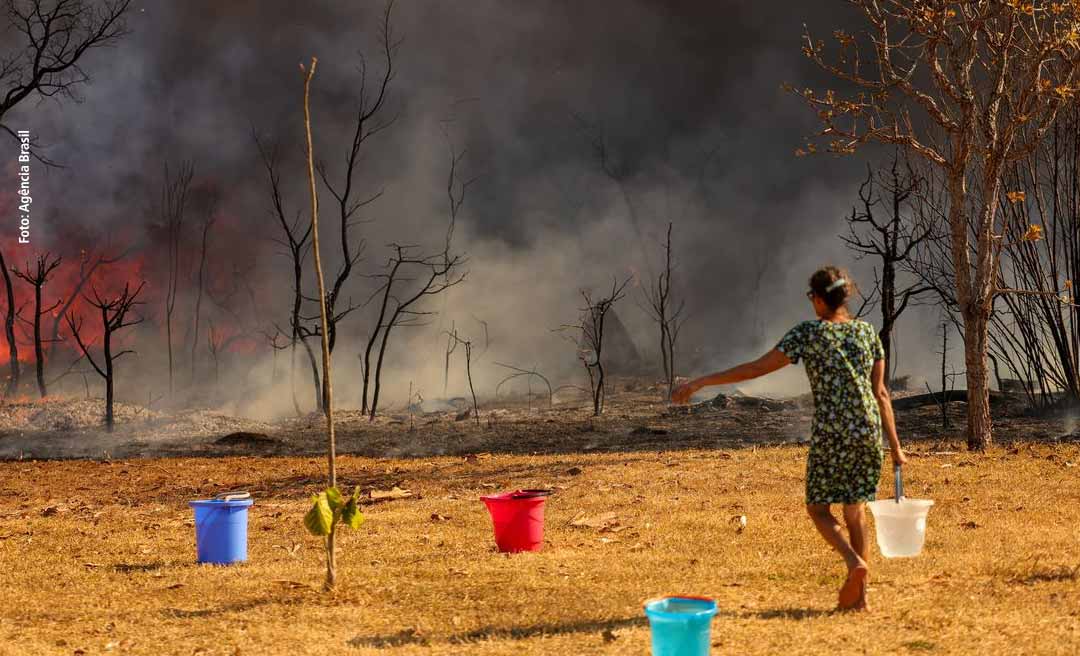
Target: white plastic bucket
[901,525]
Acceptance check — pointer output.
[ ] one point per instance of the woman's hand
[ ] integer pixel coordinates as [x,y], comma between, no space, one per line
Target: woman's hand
[681,394]
[898,457]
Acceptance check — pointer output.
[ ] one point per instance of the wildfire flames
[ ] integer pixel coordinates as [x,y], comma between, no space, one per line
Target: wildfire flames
[105,270]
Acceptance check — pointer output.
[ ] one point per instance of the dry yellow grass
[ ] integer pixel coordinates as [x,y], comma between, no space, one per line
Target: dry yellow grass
[98,557]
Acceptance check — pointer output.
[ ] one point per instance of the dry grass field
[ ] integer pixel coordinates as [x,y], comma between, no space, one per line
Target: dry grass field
[98,557]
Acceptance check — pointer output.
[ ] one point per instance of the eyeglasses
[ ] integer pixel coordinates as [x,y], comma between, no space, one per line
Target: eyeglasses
[810,295]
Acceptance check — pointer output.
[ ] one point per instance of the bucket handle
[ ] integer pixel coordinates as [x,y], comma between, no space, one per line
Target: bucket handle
[235,495]
[899,482]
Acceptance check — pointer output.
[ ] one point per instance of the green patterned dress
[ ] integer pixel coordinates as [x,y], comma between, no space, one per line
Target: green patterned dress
[845,458]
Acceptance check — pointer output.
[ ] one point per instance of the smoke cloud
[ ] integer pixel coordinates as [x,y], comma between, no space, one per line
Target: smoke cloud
[684,98]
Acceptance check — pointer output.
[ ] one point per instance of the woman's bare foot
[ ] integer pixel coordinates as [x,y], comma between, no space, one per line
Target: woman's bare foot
[853,592]
[862,605]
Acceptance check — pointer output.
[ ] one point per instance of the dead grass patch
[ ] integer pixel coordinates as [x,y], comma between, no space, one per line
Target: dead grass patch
[110,569]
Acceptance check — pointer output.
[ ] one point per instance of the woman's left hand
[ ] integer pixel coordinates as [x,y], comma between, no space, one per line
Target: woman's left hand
[681,394]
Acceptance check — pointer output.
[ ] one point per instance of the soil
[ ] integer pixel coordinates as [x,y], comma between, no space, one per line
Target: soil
[636,418]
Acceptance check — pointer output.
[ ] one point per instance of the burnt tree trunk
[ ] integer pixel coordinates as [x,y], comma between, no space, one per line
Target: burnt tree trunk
[38,277]
[39,354]
[316,377]
[9,333]
[888,313]
[113,318]
[199,294]
[106,345]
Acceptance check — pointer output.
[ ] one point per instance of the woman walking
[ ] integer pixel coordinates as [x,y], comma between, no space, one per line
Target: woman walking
[846,367]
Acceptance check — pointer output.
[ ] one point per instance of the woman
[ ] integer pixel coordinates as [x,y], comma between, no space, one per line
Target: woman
[846,367]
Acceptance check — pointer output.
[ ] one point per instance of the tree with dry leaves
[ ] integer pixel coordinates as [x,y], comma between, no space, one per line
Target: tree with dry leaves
[970,86]
[1034,334]
[114,317]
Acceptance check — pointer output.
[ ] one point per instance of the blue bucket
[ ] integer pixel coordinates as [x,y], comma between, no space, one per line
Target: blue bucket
[680,625]
[221,530]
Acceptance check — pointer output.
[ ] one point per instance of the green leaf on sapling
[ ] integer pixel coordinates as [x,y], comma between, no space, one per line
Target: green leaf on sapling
[351,515]
[320,518]
[333,495]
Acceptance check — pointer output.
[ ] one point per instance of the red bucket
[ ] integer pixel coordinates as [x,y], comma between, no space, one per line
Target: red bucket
[518,517]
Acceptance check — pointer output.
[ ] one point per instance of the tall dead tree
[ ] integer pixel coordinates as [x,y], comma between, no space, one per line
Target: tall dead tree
[969,86]
[44,44]
[38,279]
[174,192]
[296,236]
[588,335]
[9,333]
[369,120]
[209,218]
[890,240]
[434,275]
[114,313]
[667,312]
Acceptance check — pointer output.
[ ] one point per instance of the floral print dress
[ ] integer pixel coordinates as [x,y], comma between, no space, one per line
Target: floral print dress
[846,453]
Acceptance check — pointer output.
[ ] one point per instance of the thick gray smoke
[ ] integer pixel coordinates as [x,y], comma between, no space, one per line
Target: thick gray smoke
[684,96]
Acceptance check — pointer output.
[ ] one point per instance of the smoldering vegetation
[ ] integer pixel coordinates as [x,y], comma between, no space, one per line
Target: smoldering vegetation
[577,135]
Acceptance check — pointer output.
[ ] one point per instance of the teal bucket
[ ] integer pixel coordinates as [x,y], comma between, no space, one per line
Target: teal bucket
[680,625]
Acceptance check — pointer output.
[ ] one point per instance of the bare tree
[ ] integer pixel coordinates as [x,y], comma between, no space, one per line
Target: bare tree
[368,122]
[113,318]
[451,346]
[38,279]
[209,218]
[986,80]
[214,345]
[45,41]
[174,192]
[1035,330]
[296,242]
[667,312]
[437,273]
[468,370]
[947,376]
[890,240]
[89,264]
[588,335]
[9,333]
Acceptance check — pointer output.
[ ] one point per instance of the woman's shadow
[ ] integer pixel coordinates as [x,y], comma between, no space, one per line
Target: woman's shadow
[790,613]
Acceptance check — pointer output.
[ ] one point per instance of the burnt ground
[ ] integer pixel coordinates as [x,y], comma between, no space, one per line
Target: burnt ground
[636,419]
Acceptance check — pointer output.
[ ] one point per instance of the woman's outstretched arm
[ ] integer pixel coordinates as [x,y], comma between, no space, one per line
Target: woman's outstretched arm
[766,364]
[888,422]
